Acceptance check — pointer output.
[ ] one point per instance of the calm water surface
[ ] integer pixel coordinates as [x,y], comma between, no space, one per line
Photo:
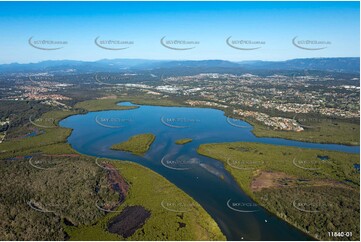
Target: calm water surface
[203,178]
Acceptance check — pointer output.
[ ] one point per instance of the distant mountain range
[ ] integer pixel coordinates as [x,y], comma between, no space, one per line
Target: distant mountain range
[341,65]
[347,65]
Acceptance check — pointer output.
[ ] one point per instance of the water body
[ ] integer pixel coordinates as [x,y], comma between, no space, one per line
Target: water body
[203,178]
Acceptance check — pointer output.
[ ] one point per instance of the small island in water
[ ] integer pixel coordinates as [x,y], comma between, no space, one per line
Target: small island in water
[137,144]
[183,141]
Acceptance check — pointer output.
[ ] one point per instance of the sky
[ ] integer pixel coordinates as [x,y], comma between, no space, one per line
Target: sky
[256,30]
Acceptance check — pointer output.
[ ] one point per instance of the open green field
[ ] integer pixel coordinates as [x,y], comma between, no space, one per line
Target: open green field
[183,141]
[137,144]
[111,104]
[102,104]
[145,99]
[278,177]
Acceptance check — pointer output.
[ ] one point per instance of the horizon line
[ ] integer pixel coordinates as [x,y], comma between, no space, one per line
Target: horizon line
[234,61]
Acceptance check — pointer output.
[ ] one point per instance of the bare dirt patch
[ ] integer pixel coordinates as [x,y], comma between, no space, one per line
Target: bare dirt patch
[271,179]
[275,179]
[108,97]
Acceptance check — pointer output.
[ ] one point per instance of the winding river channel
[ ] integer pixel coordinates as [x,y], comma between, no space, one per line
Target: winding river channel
[203,178]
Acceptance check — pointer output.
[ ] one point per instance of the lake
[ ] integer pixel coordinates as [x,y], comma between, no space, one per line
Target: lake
[203,178]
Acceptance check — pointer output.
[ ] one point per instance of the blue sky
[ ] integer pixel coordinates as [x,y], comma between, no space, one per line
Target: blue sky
[209,23]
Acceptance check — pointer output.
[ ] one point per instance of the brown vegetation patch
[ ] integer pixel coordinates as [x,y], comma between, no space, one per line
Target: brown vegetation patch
[273,179]
[270,179]
[117,182]
[108,97]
